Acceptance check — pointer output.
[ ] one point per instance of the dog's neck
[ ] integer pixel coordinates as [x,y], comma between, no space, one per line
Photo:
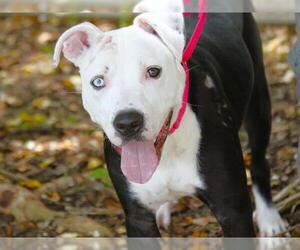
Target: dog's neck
[185,138]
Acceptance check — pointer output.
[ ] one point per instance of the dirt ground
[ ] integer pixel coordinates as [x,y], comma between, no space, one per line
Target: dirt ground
[52,173]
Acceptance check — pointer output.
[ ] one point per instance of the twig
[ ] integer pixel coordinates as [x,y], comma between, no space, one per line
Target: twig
[11,176]
[287,231]
[39,130]
[284,192]
[95,211]
[68,183]
[289,202]
[57,185]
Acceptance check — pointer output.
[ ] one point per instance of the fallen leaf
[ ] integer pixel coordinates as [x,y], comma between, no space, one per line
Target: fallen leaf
[55,197]
[94,163]
[102,175]
[199,234]
[31,184]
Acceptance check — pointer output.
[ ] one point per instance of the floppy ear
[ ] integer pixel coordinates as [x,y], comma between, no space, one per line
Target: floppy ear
[167,6]
[77,42]
[164,20]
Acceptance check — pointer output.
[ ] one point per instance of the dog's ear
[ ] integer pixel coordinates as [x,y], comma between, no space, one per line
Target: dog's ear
[167,6]
[164,19]
[77,42]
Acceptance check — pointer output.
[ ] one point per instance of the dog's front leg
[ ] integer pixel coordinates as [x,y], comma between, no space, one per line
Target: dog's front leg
[226,189]
[140,222]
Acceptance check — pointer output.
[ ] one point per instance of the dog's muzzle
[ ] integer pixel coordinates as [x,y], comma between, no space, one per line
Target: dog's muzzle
[140,158]
[160,139]
[129,124]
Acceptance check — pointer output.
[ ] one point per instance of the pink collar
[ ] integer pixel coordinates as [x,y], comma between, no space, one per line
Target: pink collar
[188,52]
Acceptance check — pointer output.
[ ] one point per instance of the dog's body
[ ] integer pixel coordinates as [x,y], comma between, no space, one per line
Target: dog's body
[204,157]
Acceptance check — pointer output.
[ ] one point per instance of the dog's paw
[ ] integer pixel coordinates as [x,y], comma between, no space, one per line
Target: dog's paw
[273,244]
[163,216]
[268,219]
[270,223]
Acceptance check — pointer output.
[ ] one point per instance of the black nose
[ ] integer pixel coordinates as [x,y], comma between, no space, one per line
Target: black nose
[128,123]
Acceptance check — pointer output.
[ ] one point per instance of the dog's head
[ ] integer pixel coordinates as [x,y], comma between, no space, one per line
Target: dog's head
[131,77]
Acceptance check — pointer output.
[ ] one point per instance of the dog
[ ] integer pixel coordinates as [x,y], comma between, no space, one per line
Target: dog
[133,83]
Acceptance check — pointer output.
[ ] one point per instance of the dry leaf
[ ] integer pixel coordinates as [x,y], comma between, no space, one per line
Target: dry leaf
[31,184]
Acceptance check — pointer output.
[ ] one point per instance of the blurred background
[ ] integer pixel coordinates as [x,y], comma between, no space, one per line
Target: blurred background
[53,178]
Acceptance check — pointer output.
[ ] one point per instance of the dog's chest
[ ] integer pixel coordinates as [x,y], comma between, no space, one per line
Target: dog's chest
[168,184]
[178,172]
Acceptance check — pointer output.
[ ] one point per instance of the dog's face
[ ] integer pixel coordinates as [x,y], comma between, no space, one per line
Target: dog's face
[131,77]
[139,83]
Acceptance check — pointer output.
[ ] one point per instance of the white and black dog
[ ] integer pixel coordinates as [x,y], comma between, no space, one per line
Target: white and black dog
[133,82]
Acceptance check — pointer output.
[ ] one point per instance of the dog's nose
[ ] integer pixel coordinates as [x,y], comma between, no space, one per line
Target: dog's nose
[129,123]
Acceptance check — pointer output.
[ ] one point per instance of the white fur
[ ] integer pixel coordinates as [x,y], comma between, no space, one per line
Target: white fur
[163,216]
[209,83]
[94,35]
[268,219]
[166,19]
[274,243]
[178,172]
[158,22]
[126,87]
[159,6]
[122,57]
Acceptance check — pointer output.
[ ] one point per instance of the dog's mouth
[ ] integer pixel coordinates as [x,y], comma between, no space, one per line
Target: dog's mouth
[140,159]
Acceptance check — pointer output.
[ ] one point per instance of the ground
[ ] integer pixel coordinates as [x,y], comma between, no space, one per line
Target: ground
[52,172]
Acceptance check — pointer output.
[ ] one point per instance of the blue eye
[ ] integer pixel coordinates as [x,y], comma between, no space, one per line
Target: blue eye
[98,82]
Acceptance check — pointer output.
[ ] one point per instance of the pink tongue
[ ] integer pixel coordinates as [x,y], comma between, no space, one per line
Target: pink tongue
[139,161]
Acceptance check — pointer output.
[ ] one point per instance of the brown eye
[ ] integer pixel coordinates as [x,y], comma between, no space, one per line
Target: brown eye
[154,72]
